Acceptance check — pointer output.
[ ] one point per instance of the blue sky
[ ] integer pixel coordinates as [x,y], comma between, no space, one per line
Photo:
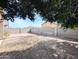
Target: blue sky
[20,23]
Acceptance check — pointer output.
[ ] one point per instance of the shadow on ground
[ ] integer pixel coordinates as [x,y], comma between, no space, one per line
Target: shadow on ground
[44,50]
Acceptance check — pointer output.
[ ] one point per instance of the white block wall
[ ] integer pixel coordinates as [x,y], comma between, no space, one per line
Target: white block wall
[69,33]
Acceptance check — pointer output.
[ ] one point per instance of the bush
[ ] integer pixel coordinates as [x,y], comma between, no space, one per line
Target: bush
[6,34]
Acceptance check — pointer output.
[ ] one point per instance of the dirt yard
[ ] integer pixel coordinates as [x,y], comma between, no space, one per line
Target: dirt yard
[31,46]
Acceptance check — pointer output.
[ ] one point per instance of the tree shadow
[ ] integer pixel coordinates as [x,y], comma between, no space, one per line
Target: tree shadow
[44,50]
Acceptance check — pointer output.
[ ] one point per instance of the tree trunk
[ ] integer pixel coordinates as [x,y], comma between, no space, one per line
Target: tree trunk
[1,30]
[1,27]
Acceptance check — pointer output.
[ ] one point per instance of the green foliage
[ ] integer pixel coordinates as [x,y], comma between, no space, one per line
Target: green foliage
[6,34]
[63,12]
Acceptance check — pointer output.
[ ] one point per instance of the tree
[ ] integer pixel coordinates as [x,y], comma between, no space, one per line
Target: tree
[63,12]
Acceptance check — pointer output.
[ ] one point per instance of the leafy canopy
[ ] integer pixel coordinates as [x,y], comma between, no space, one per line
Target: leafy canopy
[63,12]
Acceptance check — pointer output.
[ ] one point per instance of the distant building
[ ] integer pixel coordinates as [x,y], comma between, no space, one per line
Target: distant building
[6,24]
[49,25]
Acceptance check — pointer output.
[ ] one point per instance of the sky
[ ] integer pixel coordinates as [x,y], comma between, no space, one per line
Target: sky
[20,23]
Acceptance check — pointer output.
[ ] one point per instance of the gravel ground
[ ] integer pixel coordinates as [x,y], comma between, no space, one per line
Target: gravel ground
[30,46]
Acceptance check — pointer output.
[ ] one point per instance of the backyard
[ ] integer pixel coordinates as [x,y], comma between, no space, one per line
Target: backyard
[32,46]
